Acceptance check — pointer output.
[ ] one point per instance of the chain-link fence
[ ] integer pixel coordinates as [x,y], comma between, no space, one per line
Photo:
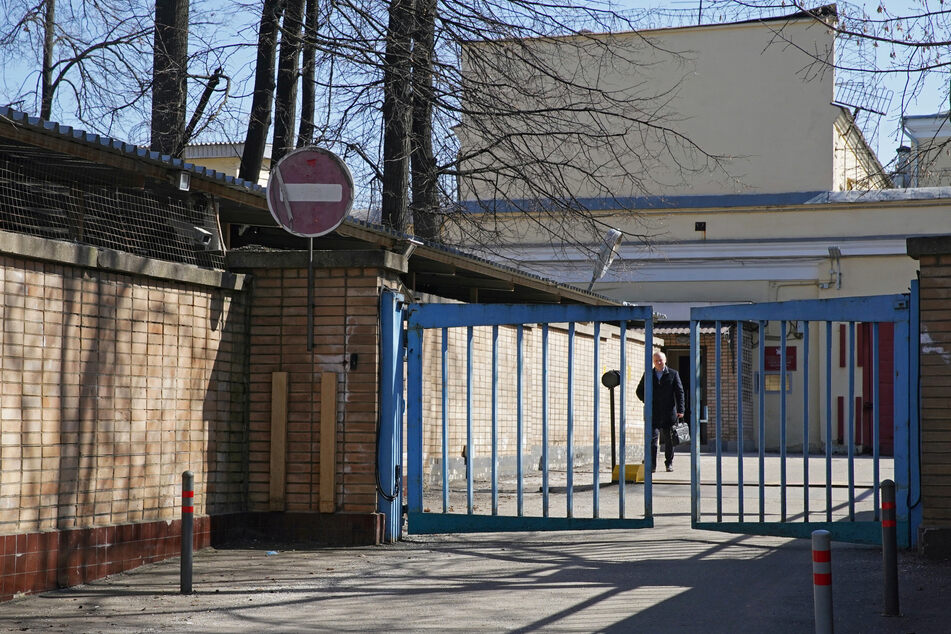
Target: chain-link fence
[79,205]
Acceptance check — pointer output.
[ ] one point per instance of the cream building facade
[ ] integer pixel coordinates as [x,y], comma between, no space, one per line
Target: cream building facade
[713,110]
[800,210]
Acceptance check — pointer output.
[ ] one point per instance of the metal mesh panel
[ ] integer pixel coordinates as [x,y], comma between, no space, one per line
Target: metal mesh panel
[78,205]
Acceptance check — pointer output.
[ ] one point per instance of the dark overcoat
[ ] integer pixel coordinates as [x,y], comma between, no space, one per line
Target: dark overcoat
[668,397]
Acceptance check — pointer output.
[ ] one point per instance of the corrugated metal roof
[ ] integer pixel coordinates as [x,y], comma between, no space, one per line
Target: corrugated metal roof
[684,329]
[219,150]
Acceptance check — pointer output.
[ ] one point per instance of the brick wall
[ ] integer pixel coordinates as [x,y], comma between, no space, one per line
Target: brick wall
[934,255]
[112,385]
[936,388]
[728,398]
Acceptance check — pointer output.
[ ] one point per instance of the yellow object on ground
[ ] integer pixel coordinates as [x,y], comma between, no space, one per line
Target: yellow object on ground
[632,473]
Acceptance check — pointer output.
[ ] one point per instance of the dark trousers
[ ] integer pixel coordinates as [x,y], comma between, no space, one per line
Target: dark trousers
[656,435]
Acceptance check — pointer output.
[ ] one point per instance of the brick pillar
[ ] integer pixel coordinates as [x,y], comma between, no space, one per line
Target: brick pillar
[286,434]
[934,256]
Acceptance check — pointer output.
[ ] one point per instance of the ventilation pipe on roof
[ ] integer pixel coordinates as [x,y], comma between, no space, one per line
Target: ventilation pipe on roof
[903,167]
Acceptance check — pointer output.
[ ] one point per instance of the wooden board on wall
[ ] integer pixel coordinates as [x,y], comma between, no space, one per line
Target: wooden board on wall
[328,440]
[278,441]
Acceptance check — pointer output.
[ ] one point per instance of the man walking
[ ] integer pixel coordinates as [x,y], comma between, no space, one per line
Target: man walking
[667,407]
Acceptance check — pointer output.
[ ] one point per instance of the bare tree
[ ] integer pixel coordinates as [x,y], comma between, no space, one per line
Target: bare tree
[259,121]
[288,76]
[93,57]
[424,203]
[308,73]
[93,61]
[397,114]
[169,77]
[435,67]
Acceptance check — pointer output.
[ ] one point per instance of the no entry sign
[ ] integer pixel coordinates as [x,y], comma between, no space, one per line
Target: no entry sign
[310,192]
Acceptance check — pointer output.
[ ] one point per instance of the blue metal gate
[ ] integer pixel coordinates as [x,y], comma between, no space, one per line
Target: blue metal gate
[756,483]
[505,420]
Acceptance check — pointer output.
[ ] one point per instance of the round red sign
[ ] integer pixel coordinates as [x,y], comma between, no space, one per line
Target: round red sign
[310,192]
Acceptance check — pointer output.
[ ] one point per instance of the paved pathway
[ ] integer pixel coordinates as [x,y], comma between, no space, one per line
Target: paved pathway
[666,579]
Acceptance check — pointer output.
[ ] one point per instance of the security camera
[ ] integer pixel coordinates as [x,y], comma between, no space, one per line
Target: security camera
[202,237]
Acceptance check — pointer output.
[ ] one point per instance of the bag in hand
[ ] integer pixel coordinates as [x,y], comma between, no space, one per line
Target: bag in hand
[680,432]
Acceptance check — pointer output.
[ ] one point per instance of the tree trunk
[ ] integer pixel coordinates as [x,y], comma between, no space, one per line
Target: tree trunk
[49,40]
[308,92]
[424,205]
[259,122]
[169,76]
[397,110]
[288,69]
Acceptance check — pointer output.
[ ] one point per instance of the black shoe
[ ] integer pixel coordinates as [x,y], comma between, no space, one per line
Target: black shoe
[670,467]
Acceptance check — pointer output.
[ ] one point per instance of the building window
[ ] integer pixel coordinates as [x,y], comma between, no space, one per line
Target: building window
[773,380]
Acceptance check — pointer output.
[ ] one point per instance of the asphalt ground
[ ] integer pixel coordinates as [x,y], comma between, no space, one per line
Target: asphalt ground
[669,578]
[665,579]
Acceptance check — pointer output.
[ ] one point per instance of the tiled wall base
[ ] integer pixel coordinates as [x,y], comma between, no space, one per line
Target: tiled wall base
[36,562]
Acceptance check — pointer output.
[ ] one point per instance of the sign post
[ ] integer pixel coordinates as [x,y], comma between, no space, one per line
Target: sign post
[309,193]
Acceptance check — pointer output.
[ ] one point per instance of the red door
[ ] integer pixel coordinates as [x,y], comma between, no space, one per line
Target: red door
[886,392]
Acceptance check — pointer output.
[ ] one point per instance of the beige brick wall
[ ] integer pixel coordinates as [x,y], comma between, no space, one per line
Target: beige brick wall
[728,398]
[936,389]
[112,385]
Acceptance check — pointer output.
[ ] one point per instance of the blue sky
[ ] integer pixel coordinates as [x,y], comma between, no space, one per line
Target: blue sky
[240,25]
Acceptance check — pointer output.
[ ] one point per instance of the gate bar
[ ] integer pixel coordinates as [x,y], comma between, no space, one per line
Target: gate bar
[695,421]
[622,469]
[905,451]
[545,420]
[851,434]
[597,420]
[828,421]
[719,422]
[570,417]
[414,418]
[782,420]
[445,420]
[520,422]
[389,461]
[805,419]
[875,413]
[762,420]
[495,419]
[470,458]
[739,417]
[649,409]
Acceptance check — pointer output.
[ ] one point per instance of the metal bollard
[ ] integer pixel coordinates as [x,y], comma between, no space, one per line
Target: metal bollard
[890,548]
[822,580]
[188,530]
